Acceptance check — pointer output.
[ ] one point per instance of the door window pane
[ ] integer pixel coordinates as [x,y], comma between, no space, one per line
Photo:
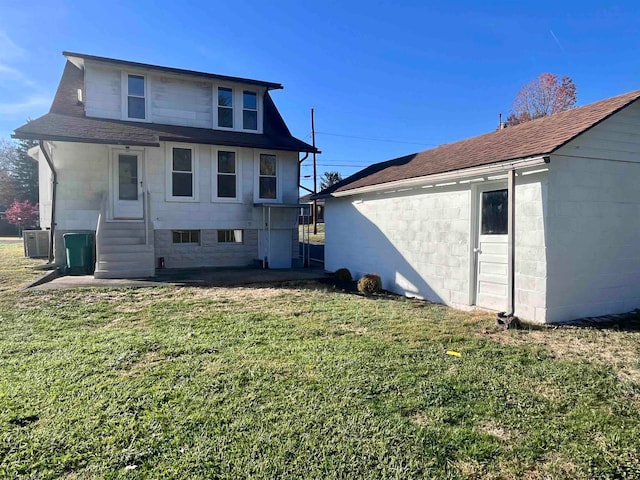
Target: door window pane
[494,212]
[127,177]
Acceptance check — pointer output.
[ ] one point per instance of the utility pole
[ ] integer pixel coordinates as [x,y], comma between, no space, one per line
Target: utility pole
[315,176]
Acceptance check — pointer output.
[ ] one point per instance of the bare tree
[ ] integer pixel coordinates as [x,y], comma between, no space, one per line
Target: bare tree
[541,97]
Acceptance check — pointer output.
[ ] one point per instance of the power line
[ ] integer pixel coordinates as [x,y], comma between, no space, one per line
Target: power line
[378,139]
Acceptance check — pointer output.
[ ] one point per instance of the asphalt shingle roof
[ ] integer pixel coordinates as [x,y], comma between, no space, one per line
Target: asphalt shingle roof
[534,138]
[66,121]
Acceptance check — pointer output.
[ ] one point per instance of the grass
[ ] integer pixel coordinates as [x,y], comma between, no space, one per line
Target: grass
[301,381]
[313,237]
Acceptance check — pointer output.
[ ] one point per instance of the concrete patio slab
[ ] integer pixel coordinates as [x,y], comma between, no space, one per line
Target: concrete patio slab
[189,277]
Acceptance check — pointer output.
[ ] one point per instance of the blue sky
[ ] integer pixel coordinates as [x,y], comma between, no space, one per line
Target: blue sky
[386,78]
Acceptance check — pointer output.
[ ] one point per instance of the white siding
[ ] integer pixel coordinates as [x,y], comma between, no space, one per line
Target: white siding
[593,230]
[103,86]
[176,101]
[170,99]
[417,242]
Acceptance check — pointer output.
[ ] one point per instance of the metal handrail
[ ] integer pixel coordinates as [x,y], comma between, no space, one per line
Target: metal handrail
[101,219]
[146,202]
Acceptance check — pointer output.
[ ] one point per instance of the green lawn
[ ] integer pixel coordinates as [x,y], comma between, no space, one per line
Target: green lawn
[313,237]
[301,382]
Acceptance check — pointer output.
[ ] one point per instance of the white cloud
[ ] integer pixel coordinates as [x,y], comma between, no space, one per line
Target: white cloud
[24,106]
[8,49]
[13,74]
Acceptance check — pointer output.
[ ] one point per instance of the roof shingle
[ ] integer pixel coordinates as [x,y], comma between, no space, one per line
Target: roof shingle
[536,137]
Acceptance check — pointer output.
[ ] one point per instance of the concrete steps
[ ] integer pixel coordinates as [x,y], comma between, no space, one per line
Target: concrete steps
[123,252]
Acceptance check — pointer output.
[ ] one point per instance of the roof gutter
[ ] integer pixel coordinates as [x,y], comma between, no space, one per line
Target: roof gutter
[493,168]
[54,183]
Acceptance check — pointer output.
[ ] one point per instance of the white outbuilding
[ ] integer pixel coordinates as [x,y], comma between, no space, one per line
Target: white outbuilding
[540,220]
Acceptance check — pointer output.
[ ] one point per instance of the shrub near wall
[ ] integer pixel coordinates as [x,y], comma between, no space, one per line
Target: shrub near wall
[370,284]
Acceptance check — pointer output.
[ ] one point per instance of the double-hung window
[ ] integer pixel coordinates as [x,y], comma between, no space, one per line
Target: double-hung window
[136,103]
[267,178]
[225,107]
[182,171]
[226,175]
[249,110]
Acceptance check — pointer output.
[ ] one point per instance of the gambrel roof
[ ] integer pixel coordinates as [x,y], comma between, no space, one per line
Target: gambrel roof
[66,120]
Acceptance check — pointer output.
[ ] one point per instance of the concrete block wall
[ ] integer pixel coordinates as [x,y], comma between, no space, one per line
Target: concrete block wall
[593,234]
[418,242]
[209,253]
[530,247]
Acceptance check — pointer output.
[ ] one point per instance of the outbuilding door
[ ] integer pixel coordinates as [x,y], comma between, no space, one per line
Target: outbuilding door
[491,250]
[126,182]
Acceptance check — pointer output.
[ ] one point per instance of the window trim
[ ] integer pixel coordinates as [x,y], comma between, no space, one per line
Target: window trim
[125,97]
[214,176]
[238,90]
[278,177]
[169,172]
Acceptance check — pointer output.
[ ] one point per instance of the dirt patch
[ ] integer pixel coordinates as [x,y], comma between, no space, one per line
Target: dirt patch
[496,430]
[355,329]
[619,349]
[148,361]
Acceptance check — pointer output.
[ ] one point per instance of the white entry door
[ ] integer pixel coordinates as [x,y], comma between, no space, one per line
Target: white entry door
[127,185]
[492,248]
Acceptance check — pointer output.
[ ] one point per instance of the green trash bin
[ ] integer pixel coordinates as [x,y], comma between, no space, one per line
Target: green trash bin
[79,253]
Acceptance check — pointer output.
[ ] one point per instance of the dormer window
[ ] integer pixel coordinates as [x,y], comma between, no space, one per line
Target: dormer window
[249,110]
[136,97]
[225,107]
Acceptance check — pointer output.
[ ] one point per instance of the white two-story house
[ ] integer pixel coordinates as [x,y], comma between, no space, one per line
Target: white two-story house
[168,167]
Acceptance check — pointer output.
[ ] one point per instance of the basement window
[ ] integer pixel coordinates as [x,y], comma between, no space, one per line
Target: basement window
[229,236]
[494,212]
[186,236]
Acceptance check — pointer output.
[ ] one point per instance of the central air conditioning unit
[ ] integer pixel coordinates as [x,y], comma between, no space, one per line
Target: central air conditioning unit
[36,243]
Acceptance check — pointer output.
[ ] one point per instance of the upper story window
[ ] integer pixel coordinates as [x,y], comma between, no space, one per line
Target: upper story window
[225,107]
[136,103]
[226,180]
[267,181]
[182,172]
[249,110]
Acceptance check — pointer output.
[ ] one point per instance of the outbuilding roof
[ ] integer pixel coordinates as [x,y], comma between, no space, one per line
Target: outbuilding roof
[66,121]
[537,137]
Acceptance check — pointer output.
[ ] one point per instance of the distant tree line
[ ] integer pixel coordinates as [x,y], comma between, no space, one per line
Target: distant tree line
[18,183]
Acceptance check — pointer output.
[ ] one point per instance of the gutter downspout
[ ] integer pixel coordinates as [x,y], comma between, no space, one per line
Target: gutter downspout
[511,217]
[54,183]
